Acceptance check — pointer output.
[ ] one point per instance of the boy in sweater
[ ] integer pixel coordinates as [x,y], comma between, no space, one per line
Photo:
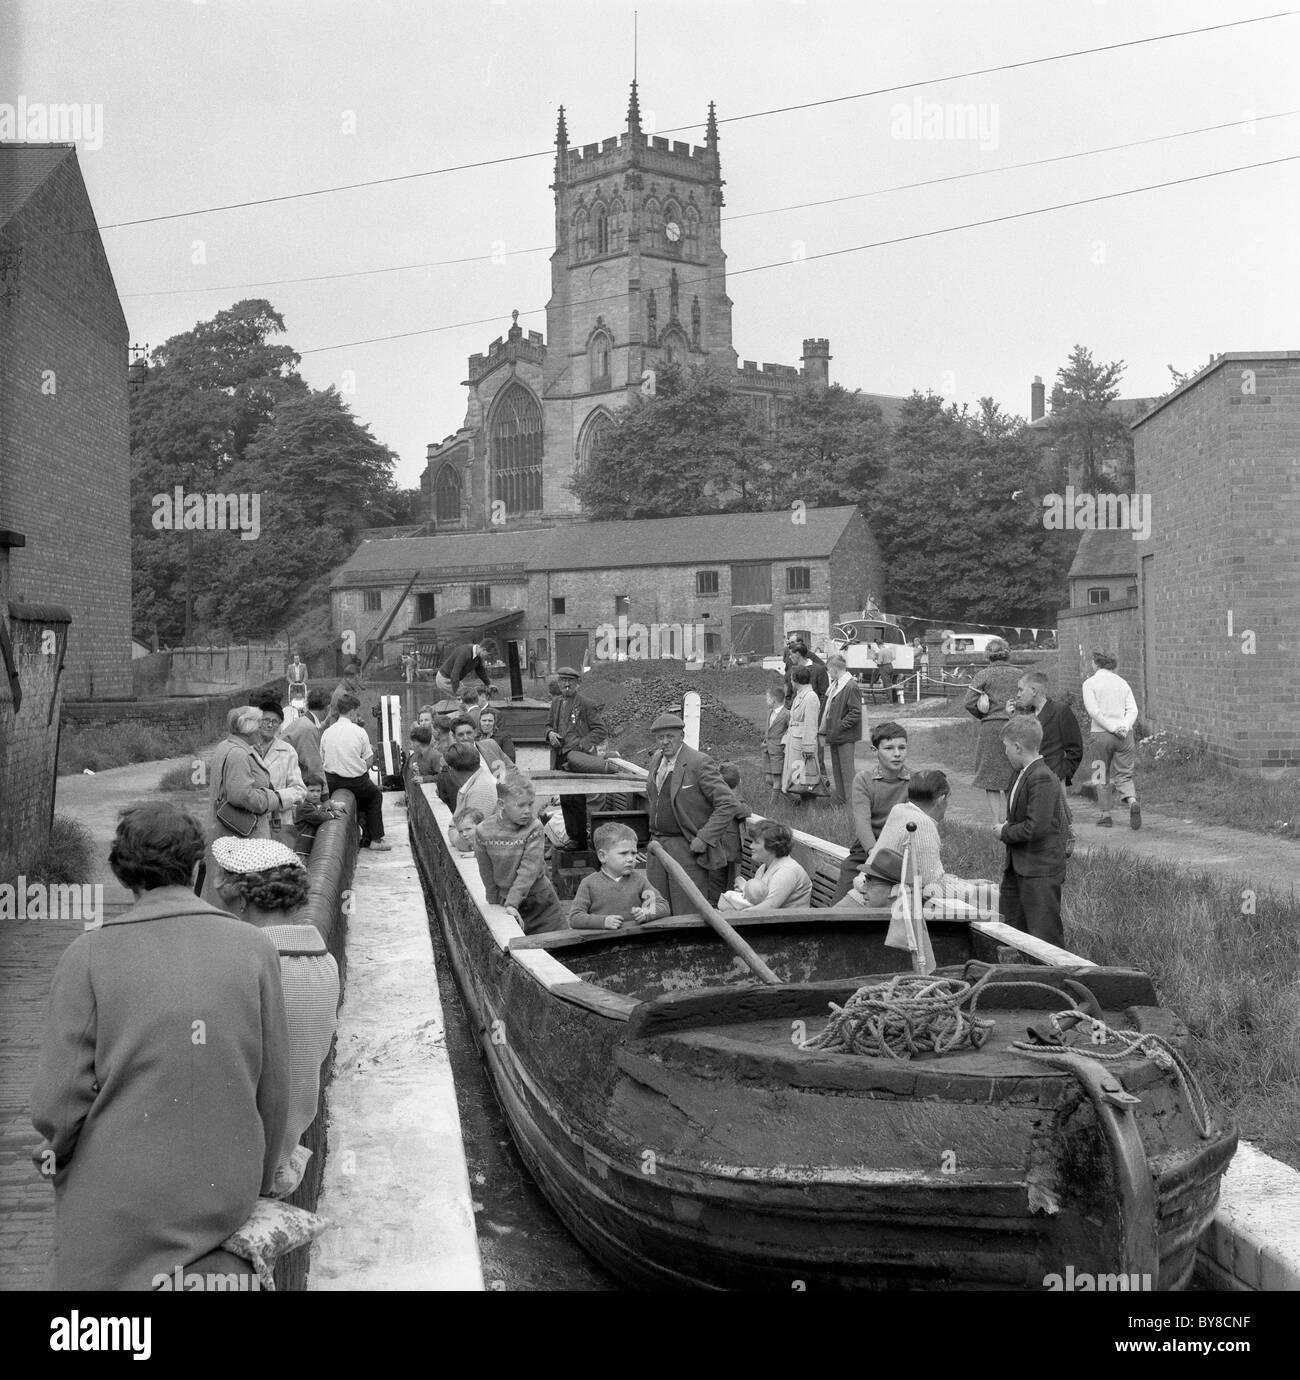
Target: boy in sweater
[618,894]
[510,852]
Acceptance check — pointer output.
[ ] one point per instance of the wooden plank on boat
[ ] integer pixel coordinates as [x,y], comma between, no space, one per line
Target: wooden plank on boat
[575,783]
[1039,949]
[596,999]
[550,972]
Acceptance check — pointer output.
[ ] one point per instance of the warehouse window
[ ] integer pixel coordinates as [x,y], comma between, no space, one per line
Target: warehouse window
[372,601]
[798,579]
[1099,596]
[480,596]
[557,604]
[706,582]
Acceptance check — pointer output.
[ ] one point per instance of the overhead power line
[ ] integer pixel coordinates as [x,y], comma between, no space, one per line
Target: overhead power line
[733,119]
[836,253]
[744,215]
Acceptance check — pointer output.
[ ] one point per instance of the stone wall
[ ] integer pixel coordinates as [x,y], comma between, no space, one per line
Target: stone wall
[65,464]
[200,716]
[29,737]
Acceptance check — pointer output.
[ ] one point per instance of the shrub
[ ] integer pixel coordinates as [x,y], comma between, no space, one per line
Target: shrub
[66,857]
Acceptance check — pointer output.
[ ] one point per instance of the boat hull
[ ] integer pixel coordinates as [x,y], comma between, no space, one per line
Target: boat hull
[681,1157]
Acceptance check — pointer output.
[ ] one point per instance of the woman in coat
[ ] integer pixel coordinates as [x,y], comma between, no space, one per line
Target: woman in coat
[240,778]
[163,1081]
[992,690]
[800,769]
[491,727]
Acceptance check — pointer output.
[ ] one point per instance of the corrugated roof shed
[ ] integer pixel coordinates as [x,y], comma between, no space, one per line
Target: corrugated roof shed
[706,540]
[23,167]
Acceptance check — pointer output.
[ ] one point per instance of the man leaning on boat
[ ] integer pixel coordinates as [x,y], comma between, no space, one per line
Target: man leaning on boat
[690,808]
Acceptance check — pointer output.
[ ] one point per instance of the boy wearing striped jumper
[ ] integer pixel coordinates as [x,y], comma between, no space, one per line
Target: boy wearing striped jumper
[510,852]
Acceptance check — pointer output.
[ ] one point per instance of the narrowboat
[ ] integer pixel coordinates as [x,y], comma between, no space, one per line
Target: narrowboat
[681,1118]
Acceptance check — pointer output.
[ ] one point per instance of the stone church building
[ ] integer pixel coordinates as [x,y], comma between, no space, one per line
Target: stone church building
[638,280]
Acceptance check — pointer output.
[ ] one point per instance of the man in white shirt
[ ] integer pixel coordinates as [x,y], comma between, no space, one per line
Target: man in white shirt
[347,753]
[1108,698]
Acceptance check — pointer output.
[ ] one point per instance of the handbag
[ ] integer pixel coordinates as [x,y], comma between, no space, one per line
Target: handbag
[234,817]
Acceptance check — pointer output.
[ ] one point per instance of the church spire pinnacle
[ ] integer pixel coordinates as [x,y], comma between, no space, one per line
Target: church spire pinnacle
[561,133]
[711,130]
[634,112]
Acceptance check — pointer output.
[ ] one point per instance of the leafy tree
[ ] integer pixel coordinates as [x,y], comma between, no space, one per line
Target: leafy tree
[831,448]
[1085,429]
[223,409]
[959,519]
[676,452]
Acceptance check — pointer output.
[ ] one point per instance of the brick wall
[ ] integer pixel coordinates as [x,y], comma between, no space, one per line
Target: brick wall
[64,451]
[1221,460]
[28,739]
[203,716]
[1114,628]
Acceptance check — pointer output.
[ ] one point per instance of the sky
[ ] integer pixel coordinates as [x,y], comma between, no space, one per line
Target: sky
[191,104]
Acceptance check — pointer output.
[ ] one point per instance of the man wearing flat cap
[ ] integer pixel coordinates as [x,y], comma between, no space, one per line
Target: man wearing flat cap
[690,808]
[574,727]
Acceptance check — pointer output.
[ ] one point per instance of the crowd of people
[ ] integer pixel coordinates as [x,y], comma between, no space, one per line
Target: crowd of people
[181,1060]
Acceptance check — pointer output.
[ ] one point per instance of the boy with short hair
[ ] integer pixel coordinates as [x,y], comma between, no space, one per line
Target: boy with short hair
[511,856]
[876,790]
[1034,832]
[463,825]
[619,894]
[426,760]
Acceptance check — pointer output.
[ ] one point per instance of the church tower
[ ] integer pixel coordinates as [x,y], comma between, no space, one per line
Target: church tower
[638,279]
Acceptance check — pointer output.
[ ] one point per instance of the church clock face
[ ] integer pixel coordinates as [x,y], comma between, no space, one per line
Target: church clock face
[673,231]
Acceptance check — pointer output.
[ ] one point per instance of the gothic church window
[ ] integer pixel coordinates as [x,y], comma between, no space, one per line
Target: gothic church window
[515,451]
[594,431]
[580,241]
[598,356]
[616,228]
[602,231]
[692,228]
[446,495]
[674,345]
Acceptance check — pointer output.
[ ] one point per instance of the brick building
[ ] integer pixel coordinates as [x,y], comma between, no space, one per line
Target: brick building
[1220,576]
[65,466]
[744,581]
[1104,569]
[1211,642]
[638,279]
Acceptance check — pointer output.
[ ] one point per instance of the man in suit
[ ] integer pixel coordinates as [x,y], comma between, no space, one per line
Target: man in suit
[470,658]
[841,722]
[303,735]
[691,808]
[1034,833]
[575,725]
[1062,742]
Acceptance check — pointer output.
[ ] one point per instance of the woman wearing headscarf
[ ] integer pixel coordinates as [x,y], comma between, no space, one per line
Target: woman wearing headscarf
[991,699]
[163,1080]
[266,885]
[241,795]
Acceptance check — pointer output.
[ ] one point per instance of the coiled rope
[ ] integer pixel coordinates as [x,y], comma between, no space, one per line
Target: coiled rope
[1107,1045]
[903,1017]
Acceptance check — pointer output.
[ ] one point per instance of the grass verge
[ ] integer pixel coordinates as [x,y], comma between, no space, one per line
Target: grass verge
[100,749]
[1230,976]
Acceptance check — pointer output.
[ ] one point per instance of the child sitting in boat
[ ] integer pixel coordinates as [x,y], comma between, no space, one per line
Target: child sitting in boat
[510,851]
[426,760]
[778,883]
[463,825]
[619,894]
[877,884]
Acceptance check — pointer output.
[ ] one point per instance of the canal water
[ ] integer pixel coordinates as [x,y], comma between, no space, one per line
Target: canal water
[522,1243]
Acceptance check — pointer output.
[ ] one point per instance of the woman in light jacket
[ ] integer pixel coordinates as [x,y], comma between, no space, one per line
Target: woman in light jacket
[162,1087]
[801,736]
[240,778]
[779,882]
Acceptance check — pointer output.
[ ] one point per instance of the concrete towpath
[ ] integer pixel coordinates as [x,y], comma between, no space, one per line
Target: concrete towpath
[29,951]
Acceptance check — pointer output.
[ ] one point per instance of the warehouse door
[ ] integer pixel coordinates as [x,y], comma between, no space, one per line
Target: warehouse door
[751,634]
[571,649]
